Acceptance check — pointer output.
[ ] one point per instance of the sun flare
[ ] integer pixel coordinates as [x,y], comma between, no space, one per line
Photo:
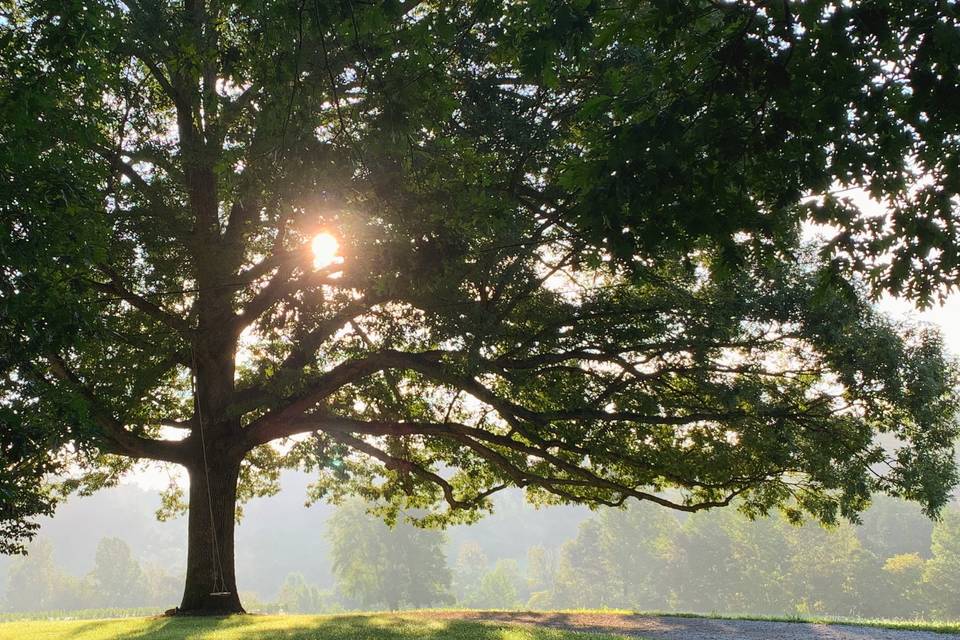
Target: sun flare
[324,247]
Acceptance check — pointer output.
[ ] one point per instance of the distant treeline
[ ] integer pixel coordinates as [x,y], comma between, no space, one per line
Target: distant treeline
[896,563]
[117,581]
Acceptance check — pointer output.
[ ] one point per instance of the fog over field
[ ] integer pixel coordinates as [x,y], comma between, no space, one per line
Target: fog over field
[276,536]
[519,557]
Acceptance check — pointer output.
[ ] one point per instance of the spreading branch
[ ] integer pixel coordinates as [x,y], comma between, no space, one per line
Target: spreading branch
[118,439]
[482,442]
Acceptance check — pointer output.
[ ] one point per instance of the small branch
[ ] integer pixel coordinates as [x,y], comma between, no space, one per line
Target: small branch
[116,288]
[399,464]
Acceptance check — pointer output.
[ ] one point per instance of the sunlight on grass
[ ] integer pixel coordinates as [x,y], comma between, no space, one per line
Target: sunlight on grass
[354,627]
[375,626]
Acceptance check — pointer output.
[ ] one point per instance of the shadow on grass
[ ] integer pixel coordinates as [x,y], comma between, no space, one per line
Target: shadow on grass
[452,625]
[343,627]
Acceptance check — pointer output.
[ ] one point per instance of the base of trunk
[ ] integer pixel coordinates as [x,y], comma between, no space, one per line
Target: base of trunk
[215,606]
[203,613]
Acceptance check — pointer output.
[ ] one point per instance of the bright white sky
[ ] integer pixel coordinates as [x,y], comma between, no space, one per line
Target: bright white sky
[946,316]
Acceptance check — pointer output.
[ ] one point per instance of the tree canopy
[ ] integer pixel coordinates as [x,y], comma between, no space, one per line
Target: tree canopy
[569,254]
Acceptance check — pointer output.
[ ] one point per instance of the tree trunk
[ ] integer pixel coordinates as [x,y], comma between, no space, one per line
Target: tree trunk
[211,585]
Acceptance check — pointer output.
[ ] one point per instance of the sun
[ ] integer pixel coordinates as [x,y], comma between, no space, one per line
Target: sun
[324,247]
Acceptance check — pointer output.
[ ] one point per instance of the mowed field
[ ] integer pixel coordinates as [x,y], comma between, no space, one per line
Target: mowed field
[286,627]
[471,625]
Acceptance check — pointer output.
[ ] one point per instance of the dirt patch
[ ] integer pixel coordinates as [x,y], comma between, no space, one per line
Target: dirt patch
[671,628]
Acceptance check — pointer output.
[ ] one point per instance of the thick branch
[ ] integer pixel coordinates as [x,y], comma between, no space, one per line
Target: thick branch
[271,262]
[428,364]
[281,422]
[148,190]
[119,440]
[281,285]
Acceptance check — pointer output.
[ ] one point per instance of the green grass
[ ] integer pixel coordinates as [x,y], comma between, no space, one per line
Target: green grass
[378,626]
[345,627]
[82,614]
[937,626]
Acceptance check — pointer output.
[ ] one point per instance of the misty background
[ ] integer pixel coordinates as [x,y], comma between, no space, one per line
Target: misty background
[108,551]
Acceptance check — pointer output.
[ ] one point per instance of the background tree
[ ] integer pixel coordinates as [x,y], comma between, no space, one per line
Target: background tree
[117,579]
[162,588]
[568,254]
[471,564]
[892,527]
[904,573]
[703,565]
[632,543]
[723,562]
[541,576]
[36,583]
[941,574]
[379,566]
[299,596]
[39,583]
[582,574]
[501,587]
[831,570]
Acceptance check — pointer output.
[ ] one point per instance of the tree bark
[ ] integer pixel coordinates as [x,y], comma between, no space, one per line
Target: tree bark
[211,584]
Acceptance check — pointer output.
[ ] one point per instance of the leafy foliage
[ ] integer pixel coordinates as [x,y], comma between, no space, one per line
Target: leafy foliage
[569,242]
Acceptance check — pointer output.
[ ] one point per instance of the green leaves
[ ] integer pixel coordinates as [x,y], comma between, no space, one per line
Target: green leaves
[570,241]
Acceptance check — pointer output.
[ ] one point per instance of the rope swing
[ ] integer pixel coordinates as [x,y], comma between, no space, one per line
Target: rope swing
[219,584]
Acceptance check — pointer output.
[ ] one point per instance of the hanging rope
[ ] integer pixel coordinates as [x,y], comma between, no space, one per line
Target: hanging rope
[219,583]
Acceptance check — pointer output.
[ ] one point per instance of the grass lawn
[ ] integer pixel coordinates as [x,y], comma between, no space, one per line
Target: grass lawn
[254,627]
[423,625]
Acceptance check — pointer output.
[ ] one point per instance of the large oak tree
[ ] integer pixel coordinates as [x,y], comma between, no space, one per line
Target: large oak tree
[569,254]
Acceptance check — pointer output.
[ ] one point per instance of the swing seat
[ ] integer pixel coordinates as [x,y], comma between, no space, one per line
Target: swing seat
[220,593]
